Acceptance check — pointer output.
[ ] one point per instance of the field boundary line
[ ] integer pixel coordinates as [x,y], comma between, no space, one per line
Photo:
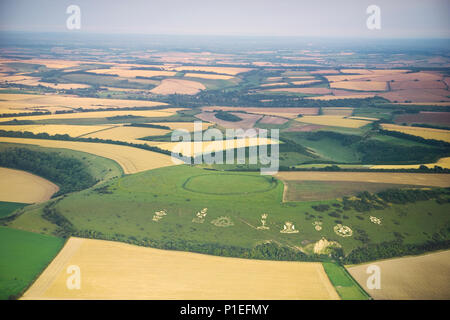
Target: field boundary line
[104,129]
[53,270]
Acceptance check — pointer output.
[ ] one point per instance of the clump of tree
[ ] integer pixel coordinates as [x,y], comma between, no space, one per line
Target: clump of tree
[227,116]
[68,173]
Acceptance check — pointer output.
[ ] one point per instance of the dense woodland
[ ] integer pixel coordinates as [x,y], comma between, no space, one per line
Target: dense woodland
[68,173]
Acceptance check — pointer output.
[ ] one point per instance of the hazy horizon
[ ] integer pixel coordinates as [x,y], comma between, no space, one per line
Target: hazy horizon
[286,18]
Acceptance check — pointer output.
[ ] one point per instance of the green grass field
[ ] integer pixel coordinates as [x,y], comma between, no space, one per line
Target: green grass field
[345,285]
[23,256]
[6,208]
[126,210]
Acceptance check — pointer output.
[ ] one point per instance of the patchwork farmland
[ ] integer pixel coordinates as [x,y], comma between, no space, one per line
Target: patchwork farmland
[87,177]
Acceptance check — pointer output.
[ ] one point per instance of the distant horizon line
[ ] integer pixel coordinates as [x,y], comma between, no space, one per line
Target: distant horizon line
[89,33]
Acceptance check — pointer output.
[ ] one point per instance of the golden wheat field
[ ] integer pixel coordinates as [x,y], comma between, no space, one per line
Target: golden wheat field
[420,179]
[24,187]
[127,73]
[126,133]
[131,159]
[274,84]
[332,97]
[102,114]
[443,162]
[114,270]
[189,126]
[178,86]
[224,70]
[196,148]
[426,133]
[51,129]
[359,85]
[208,76]
[279,112]
[333,120]
[409,278]
[27,102]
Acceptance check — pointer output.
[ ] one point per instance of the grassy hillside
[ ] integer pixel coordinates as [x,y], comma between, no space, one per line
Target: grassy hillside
[6,208]
[124,210]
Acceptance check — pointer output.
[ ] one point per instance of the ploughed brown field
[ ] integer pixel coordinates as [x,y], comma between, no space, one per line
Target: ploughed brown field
[427,117]
[420,179]
[416,277]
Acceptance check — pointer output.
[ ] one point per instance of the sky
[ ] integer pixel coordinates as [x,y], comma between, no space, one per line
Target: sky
[310,18]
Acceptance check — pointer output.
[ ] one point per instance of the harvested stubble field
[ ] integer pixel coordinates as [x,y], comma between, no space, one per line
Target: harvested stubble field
[208,76]
[112,270]
[27,102]
[306,190]
[126,73]
[189,126]
[426,133]
[410,278]
[248,120]
[52,129]
[443,162]
[24,187]
[126,133]
[131,159]
[278,112]
[178,86]
[419,179]
[360,85]
[102,114]
[225,70]
[196,148]
[333,120]
[335,97]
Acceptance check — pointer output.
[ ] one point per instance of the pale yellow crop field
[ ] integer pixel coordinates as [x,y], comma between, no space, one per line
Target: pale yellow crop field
[208,76]
[127,73]
[179,86]
[333,120]
[332,97]
[51,129]
[273,84]
[102,114]
[303,82]
[127,134]
[200,147]
[131,159]
[28,102]
[426,133]
[24,187]
[114,270]
[409,278]
[443,162]
[359,85]
[225,70]
[189,126]
[419,179]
